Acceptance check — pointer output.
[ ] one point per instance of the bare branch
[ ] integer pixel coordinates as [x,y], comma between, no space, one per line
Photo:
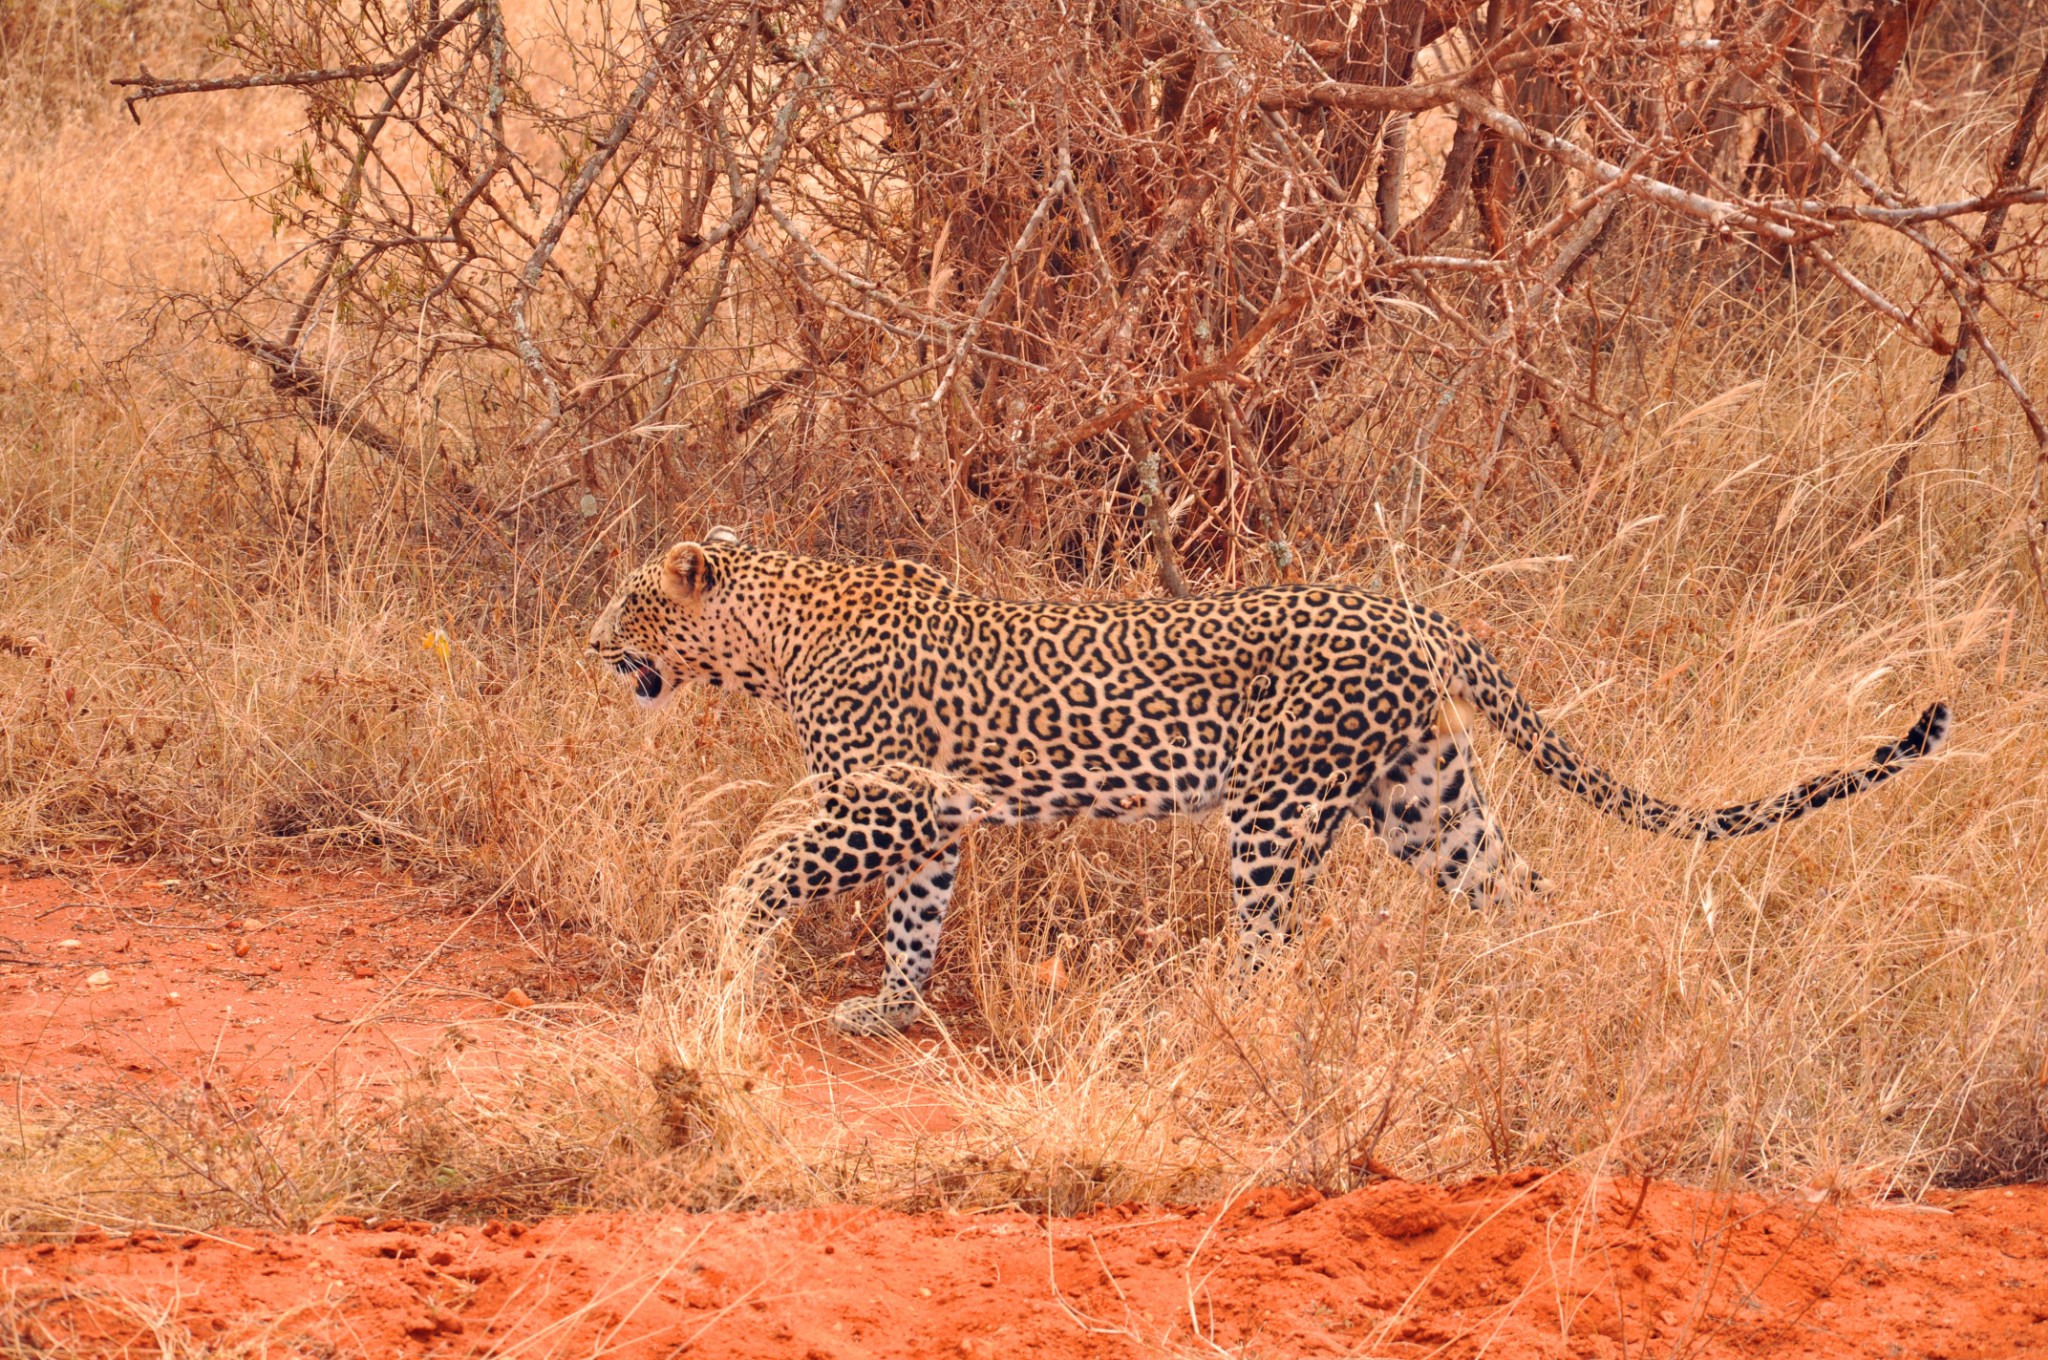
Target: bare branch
[1718,213]
[551,235]
[292,377]
[1219,370]
[1060,184]
[735,222]
[1920,332]
[1158,519]
[148,87]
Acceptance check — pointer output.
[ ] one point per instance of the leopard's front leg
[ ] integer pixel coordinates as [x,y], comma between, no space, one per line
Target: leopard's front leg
[1277,845]
[895,822]
[918,897]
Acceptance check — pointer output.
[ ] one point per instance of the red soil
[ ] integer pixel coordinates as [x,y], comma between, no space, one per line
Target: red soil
[1508,1267]
[296,984]
[1519,1266]
[116,976]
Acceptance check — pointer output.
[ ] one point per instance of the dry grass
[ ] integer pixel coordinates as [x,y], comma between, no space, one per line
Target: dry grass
[567,1125]
[190,663]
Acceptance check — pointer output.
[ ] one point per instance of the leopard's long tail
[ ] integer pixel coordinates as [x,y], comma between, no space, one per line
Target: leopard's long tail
[1493,693]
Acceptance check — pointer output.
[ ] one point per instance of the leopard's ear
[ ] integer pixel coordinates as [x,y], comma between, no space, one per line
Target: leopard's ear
[686,571]
[724,536]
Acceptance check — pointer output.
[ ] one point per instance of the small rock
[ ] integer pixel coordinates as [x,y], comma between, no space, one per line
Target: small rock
[69,944]
[173,999]
[516,999]
[99,979]
[241,949]
[275,966]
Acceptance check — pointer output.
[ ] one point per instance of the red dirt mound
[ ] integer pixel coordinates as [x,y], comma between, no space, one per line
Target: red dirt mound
[1509,1267]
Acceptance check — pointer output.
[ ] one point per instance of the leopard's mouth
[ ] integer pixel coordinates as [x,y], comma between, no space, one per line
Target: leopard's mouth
[645,675]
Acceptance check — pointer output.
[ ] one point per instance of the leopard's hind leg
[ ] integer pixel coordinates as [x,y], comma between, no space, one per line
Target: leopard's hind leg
[1428,809]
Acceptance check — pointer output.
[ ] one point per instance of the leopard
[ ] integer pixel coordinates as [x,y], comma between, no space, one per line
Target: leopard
[923,709]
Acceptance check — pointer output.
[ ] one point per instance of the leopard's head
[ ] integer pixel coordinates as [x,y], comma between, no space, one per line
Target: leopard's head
[672,621]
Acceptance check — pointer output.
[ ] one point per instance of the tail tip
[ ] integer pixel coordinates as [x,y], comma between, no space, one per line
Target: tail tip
[1928,736]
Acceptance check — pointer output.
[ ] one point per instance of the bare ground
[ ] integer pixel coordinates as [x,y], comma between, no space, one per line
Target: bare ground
[283,988]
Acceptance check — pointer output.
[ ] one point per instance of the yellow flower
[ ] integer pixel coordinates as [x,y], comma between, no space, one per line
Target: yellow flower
[437,642]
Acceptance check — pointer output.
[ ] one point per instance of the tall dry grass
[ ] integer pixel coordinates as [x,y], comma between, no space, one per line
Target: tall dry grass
[224,633]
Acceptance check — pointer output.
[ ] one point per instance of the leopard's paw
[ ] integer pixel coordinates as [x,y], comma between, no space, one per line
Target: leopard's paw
[872,1015]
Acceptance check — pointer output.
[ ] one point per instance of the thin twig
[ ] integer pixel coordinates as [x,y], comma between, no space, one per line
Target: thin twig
[1060,184]
[736,221]
[351,195]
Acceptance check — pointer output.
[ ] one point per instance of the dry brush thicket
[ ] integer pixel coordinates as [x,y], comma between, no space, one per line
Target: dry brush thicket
[1689,352]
